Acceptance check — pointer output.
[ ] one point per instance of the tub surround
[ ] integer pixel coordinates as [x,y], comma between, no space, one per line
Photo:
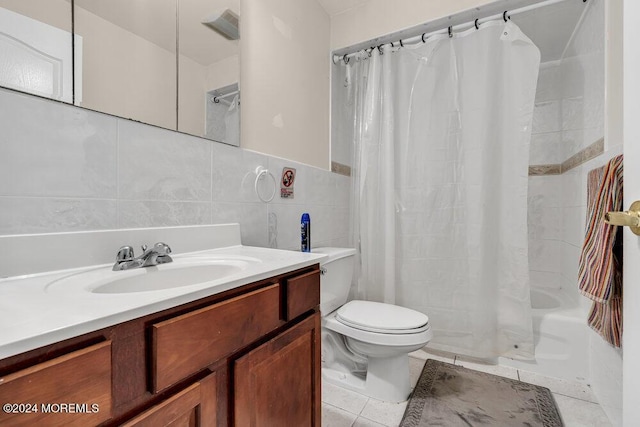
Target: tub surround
[582,156]
[33,315]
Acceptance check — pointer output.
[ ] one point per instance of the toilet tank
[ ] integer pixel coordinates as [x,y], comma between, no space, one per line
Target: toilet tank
[335,281]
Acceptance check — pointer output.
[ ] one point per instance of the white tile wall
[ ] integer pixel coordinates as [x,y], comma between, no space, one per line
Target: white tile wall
[64,168]
[54,150]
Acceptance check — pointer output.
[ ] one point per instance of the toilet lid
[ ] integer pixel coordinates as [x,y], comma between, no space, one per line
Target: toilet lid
[383,318]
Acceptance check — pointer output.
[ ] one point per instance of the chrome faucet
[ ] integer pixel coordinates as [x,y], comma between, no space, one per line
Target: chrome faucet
[158,254]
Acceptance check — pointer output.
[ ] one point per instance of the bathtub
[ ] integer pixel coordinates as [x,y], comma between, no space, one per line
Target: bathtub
[560,336]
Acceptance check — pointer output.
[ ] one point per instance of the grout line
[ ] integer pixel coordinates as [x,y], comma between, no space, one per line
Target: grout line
[364,406]
[573,397]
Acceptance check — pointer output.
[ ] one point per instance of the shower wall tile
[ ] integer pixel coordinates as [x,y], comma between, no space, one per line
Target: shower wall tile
[545,279]
[545,255]
[546,148]
[545,191]
[545,223]
[574,224]
[573,113]
[547,117]
[156,164]
[549,87]
[150,213]
[55,152]
[24,215]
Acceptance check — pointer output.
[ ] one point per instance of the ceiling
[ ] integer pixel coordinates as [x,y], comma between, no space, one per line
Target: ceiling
[334,7]
[551,27]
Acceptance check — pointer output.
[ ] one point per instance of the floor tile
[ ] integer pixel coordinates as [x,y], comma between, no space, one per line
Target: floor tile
[503,371]
[342,398]
[385,413]
[415,369]
[336,417]
[567,388]
[428,353]
[579,413]
[365,422]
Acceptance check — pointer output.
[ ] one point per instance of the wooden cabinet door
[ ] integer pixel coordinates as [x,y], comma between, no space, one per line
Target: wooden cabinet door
[192,407]
[278,383]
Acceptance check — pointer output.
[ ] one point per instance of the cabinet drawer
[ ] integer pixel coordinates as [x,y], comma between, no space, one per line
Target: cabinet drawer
[189,343]
[80,380]
[303,293]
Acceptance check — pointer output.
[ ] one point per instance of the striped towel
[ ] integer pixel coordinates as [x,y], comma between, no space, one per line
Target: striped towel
[600,273]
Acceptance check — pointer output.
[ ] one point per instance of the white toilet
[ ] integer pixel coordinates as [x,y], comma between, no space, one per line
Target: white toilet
[365,344]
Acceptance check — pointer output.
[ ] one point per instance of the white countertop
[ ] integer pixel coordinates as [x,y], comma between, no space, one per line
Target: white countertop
[35,312]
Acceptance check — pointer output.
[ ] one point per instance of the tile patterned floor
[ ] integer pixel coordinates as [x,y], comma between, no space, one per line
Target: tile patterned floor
[344,408]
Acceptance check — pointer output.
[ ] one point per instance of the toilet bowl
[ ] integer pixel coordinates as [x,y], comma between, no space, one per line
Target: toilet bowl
[365,344]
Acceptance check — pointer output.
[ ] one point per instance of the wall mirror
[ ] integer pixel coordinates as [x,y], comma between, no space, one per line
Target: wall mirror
[169,63]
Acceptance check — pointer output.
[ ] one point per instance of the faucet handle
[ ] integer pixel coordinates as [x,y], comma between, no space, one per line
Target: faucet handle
[161,247]
[125,253]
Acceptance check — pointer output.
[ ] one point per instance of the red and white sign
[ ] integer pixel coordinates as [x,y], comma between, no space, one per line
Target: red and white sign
[286,183]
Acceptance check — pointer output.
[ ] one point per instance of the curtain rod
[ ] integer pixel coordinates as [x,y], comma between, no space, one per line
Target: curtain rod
[217,98]
[464,26]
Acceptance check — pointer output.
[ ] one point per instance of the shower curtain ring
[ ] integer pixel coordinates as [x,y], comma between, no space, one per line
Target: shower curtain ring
[345,58]
[504,16]
[380,48]
[476,24]
[450,32]
[401,45]
[423,41]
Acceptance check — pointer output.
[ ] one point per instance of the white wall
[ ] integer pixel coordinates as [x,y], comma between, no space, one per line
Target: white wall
[284,73]
[64,168]
[375,18]
[125,74]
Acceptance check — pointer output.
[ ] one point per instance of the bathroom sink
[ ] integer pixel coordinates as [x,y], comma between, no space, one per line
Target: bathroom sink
[177,274]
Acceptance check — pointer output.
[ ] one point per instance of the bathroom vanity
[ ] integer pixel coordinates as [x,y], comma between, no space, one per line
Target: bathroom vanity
[246,354]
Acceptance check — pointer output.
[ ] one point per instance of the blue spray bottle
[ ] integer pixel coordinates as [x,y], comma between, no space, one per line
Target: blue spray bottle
[305,233]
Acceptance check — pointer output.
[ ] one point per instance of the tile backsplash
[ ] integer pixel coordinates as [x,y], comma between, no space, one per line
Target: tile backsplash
[64,168]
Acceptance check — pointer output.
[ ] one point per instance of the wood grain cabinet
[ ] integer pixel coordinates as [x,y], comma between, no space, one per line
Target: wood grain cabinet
[247,357]
[277,384]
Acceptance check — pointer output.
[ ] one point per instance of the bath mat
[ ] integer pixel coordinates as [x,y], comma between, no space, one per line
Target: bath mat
[451,396]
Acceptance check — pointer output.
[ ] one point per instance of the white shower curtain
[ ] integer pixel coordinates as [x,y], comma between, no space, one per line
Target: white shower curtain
[441,149]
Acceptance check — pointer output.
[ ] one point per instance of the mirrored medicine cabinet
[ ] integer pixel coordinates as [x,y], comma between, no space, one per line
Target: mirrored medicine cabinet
[168,63]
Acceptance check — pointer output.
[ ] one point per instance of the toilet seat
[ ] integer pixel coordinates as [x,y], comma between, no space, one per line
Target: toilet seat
[382,318]
[398,339]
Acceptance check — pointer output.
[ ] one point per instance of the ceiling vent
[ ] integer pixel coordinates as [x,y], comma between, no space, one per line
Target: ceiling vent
[225,23]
